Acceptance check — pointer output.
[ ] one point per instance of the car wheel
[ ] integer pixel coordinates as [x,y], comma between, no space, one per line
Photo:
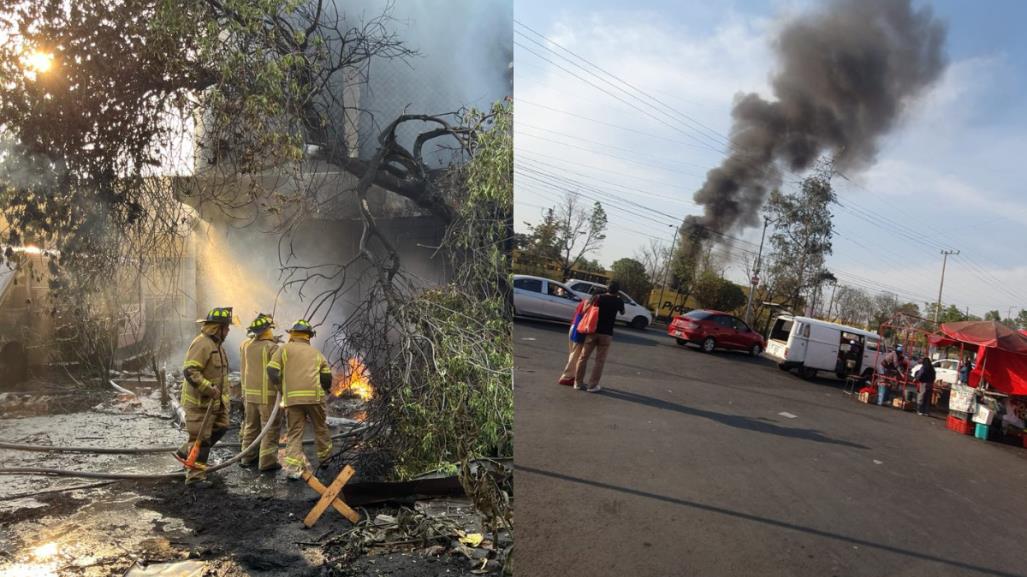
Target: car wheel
[755,351]
[639,323]
[681,342]
[709,344]
[807,372]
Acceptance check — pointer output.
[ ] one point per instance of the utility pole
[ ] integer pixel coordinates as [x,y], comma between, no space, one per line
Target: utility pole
[755,273]
[666,270]
[830,305]
[941,285]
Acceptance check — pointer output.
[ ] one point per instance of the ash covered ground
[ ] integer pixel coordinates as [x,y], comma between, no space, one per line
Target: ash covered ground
[244,523]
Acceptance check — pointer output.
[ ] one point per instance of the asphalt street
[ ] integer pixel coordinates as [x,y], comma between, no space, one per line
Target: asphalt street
[690,463]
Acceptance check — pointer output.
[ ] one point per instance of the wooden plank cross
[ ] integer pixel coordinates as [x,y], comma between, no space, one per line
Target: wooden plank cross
[329,496]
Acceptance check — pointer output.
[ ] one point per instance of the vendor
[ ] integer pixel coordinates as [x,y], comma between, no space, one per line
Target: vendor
[894,365]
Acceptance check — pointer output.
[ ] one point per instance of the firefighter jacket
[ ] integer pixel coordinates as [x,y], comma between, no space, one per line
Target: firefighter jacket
[299,371]
[254,354]
[206,365]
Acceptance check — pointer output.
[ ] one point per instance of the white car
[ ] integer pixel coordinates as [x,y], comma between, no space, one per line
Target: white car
[945,370]
[635,315]
[535,296]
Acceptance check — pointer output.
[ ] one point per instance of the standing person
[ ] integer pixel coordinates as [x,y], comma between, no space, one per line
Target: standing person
[255,354]
[925,382]
[964,372]
[894,366]
[610,305]
[576,340]
[205,367]
[301,373]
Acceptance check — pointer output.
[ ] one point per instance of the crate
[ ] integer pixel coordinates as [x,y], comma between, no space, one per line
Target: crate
[901,404]
[981,431]
[959,425]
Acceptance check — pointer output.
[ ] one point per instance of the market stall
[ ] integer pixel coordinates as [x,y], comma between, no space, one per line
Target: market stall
[993,401]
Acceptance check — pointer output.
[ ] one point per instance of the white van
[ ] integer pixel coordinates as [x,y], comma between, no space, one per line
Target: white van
[635,315]
[811,345]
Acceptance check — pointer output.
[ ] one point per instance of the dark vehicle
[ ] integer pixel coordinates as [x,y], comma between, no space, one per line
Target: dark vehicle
[715,330]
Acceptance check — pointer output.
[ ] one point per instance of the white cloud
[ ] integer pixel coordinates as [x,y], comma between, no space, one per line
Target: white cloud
[952,160]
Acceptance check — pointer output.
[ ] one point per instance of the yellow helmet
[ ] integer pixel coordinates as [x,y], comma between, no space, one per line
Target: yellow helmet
[220,315]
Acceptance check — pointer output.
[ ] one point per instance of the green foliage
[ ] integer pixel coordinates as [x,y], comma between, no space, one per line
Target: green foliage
[803,229]
[458,404]
[564,237]
[632,277]
[713,292]
[949,314]
[455,401]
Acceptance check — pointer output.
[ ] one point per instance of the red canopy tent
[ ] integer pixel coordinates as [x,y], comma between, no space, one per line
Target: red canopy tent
[1001,353]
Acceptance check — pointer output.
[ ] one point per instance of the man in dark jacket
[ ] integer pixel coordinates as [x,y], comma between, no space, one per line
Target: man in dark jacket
[924,383]
[610,305]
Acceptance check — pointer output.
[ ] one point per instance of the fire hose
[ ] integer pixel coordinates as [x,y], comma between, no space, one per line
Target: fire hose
[143,476]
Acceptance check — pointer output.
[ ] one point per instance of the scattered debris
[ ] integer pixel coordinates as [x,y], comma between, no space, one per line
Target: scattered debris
[179,569]
[431,530]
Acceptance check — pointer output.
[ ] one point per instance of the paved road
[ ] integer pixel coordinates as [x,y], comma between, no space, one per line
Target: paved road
[686,465]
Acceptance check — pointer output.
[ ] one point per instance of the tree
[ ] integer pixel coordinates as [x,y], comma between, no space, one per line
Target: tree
[655,257]
[949,314]
[688,260]
[715,292]
[581,231]
[633,278]
[1021,319]
[590,265]
[853,306]
[993,316]
[541,246]
[266,84]
[803,229]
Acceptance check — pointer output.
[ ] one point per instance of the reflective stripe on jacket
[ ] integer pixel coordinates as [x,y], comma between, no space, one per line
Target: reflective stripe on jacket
[255,354]
[205,367]
[301,367]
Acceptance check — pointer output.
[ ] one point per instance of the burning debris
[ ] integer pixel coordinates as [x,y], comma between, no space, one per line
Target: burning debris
[846,73]
[353,381]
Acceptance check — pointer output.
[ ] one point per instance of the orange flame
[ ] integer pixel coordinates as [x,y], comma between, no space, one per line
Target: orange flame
[355,381]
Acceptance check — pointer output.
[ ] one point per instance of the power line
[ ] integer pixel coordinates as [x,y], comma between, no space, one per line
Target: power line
[522,124]
[610,94]
[693,123]
[618,157]
[610,124]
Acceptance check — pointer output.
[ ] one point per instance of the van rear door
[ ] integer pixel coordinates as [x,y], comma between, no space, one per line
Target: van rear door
[778,339]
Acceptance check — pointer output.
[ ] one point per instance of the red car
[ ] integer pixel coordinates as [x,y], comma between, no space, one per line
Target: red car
[715,330]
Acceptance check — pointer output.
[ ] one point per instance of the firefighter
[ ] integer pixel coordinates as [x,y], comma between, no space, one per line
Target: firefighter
[301,373]
[254,354]
[206,366]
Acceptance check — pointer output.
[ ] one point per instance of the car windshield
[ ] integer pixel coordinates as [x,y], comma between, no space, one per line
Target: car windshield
[698,315]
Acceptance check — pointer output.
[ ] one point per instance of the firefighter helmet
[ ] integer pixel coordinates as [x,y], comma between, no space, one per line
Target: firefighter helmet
[303,326]
[221,316]
[260,323]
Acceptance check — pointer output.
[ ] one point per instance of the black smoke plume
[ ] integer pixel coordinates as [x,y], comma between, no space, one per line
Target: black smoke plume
[846,73]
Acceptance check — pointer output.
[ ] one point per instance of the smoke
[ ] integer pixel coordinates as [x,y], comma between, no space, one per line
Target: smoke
[847,72]
[464,60]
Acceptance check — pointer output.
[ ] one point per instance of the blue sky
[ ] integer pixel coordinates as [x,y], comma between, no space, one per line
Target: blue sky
[949,175]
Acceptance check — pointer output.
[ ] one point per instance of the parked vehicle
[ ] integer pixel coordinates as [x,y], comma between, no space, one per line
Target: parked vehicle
[539,297]
[945,370]
[635,315]
[811,345]
[715,330]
